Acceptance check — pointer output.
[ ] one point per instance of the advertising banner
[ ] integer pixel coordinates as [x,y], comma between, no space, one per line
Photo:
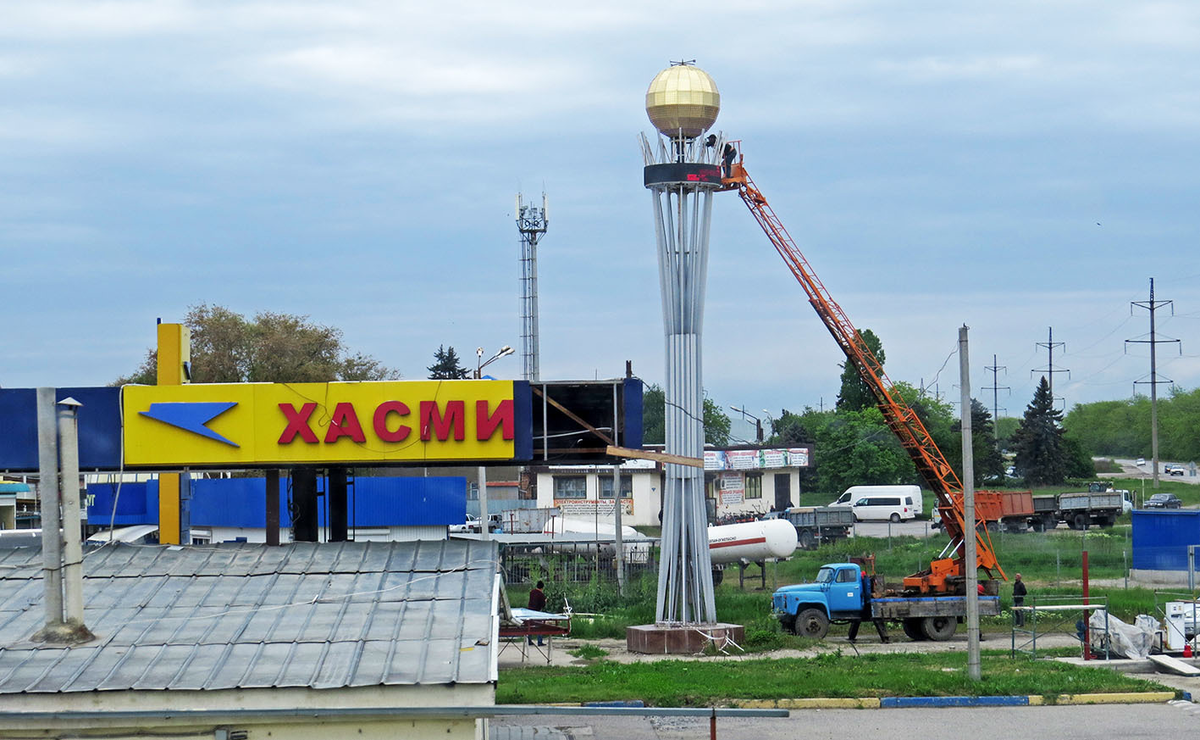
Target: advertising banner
[733,488]
[249,424]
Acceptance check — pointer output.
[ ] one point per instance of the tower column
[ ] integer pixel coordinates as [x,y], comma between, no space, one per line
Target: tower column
[682,173]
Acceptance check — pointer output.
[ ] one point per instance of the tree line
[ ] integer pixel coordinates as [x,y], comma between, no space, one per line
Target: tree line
[1122,428]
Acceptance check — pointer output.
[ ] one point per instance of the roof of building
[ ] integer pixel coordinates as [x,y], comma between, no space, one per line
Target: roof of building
[245,616]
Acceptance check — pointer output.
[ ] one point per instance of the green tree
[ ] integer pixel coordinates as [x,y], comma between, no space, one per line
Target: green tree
[716,424]
[986,460]
[1038,443]
[446,365]
[1078,460]
[654,409]
[857,448]
[788,429]
[855,394]
[273,347]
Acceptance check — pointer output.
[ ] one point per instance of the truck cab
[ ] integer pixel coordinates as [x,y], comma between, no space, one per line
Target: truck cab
[807,609]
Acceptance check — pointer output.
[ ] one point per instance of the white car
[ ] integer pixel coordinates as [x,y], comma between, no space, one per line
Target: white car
[1140,462]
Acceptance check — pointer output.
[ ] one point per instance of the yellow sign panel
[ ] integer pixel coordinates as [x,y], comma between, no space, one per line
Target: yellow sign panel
[252,424]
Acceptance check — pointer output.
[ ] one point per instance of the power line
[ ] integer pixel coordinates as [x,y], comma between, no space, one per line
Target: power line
[1049,370]
[1152,306]
[996,367]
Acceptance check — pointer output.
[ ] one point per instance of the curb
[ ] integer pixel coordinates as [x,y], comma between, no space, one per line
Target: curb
[901,702]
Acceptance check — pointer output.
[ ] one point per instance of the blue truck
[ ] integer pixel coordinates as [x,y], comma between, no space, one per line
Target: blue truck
[838,596]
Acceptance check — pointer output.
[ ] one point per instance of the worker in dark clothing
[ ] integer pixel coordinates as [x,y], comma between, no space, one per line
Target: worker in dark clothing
[868,586]
[729,153]
[1019,600]
[537,603]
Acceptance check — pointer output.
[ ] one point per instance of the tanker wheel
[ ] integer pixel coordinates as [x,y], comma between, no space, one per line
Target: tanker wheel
[807,541]
[718,576]
[939,629]
[812,623]
[912,628]
[1081,521]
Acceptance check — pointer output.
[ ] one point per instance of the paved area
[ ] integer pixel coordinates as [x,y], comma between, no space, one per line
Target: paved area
[1150,721]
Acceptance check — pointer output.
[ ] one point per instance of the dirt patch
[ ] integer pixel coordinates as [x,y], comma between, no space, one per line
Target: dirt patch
[559,652]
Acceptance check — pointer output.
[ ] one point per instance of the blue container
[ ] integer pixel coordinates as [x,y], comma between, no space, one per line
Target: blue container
[1161,538]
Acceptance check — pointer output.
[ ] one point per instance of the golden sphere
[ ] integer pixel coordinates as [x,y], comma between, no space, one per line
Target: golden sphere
[683,99]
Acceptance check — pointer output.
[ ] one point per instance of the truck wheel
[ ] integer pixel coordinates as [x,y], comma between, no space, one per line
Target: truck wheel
[939,629]
[1107,522]
[1039,525]
[807,541]
[812,623]
[912,628]
[1081,521]
[895,518]
[788,623]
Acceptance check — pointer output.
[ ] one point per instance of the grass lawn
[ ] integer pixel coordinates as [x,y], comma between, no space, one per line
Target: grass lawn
[671,683]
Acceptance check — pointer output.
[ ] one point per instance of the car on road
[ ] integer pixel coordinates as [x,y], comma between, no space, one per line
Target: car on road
[1172,469]
[1140,462]
[1164,501]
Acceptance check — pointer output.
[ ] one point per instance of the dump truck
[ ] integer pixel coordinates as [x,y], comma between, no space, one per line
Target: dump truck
[817,524]
[1079,510]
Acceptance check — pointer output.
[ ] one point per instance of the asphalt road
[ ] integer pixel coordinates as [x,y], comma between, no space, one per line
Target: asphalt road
[1151,721]
[1129,469]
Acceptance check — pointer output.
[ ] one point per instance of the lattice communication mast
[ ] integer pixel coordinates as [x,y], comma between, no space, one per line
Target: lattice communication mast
[531,222]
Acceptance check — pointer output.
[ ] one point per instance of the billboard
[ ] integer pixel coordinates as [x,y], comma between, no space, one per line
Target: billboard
[255,424]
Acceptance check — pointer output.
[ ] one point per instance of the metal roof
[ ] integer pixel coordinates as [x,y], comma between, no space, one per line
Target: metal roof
[251,616]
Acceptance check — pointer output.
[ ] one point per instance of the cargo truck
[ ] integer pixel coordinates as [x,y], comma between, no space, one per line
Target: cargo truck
[1078,510]
[817,524]
[836,597]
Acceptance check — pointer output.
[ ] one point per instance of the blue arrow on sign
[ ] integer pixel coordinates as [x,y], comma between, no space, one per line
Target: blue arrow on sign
[190,417]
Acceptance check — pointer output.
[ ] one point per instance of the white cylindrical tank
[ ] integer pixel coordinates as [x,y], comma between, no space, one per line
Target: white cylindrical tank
[754,542]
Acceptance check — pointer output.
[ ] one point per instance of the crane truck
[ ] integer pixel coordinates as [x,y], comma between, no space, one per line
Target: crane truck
[929,603]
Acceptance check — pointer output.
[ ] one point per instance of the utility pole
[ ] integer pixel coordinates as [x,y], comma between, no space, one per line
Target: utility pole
[996,367]
[1152,306]
[970,561]
[1049,370]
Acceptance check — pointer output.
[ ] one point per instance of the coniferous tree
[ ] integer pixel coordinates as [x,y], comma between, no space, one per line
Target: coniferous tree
[1038,441]
[446,365]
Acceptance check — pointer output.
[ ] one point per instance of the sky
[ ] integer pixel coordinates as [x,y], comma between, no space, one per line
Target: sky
[1013,167]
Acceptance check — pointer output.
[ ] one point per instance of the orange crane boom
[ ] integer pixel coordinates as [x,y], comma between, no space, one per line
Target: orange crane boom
[946,574]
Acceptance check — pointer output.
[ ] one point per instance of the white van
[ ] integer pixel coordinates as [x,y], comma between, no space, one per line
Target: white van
[898,503]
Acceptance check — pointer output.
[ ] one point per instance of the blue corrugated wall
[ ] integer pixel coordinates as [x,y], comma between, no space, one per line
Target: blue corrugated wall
[241,502]
[1160,538]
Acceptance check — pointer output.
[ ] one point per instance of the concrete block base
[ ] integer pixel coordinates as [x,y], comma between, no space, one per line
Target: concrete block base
[668,639]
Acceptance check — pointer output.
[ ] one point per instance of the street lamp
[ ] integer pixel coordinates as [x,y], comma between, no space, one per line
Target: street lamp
[481,364]
[757,421]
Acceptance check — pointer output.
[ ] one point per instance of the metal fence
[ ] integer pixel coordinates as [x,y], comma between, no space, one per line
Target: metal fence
[575,562]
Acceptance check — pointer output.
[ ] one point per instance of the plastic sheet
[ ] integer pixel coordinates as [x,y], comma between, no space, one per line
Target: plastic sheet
[1124,640]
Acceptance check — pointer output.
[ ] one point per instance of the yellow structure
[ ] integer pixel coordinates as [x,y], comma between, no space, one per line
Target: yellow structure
[683,100]
[262,424]
[174,359]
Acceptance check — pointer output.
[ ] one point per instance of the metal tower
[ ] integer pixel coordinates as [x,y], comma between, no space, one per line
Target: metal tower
[682,172]
[531,222]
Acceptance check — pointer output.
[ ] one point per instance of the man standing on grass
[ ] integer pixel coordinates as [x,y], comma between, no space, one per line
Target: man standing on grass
[1019,600]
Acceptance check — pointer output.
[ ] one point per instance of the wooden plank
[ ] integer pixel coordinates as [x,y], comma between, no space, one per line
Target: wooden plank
[694,462]
[1174,665]
[572,416]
